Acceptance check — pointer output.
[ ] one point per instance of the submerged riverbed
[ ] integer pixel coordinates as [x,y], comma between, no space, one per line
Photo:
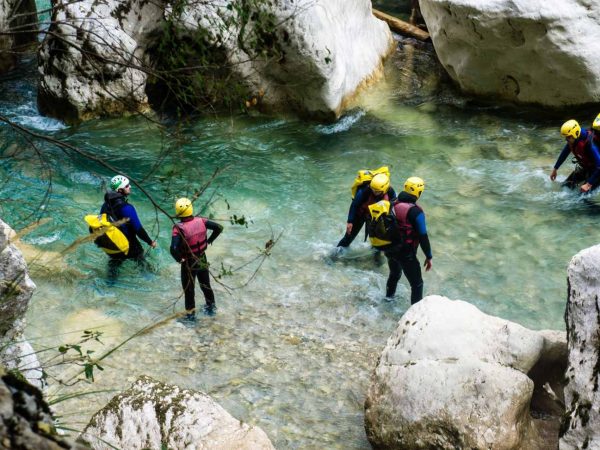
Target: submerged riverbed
[294,340]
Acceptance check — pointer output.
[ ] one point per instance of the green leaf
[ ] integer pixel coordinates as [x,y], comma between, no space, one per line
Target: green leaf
[89,371]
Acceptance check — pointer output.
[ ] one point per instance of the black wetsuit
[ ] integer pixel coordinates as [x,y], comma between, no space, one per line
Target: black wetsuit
[403,258]
[117,208]
[195,265]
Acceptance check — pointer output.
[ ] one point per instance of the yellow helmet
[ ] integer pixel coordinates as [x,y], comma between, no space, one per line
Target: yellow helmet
[183,207]
[596,123]
[570,128]
[380,184]
[414,186]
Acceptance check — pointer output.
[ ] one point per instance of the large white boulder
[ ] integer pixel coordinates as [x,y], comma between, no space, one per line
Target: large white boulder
[330,50]
[16,289]
[581,427]
[154,415]
[92,62]
[528,51]
[452,377]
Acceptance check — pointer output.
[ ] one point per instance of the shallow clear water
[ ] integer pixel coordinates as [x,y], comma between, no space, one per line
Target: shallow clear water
[291,351]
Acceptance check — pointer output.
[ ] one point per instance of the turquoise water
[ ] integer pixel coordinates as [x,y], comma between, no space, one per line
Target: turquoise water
[292,350]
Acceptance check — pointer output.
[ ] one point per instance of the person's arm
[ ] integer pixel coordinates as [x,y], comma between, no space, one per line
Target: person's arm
[216,229]
[130,212]
[596,173]
[361,196]
[391,194]
[421,228]
[561,159]
[175,247]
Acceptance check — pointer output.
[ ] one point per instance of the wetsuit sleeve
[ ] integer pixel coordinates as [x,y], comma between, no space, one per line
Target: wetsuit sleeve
[596,156]
[562,157]
[130,212]
[361,196]
[391,194]
[421,228]
[216,229]
[174,249]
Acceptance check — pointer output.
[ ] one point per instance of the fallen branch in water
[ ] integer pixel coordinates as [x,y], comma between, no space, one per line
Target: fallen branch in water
[401,26]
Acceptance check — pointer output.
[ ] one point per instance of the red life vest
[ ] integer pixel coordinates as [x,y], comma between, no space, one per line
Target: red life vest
[582,153]
[193,233]
[364,209]
[408,233]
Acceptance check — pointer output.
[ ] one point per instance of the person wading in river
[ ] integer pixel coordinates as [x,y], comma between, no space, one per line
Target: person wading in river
[377,189]
[188,246]
[409,233]
[587,157]
[117,208]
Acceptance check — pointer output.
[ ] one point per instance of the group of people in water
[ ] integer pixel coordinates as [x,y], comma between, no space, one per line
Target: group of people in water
[395,224]
[189,240]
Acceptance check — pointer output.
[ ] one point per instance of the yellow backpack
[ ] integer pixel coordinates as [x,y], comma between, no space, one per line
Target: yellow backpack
[365,176]
[110,238]
[382,226]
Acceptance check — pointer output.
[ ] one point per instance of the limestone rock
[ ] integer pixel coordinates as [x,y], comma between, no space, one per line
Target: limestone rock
[155,415]
[581,428]
[91,61]
[452,377]
[25,419]
[524,51]
[16,289]
[332,49]
[18,17]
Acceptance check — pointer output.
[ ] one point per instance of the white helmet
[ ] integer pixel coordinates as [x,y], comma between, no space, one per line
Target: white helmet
[119,182]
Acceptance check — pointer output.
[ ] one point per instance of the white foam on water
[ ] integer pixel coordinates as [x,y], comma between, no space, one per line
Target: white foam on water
[42,240]
[40,123]
[344,124]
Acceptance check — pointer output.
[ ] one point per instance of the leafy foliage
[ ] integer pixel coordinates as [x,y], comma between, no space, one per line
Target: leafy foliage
[191,68]
[75,354]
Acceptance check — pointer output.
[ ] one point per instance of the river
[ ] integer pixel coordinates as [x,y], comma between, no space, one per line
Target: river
[296,335]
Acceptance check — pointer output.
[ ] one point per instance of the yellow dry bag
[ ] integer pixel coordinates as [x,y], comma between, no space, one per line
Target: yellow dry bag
[381,226]
[110,238]
[365,176]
